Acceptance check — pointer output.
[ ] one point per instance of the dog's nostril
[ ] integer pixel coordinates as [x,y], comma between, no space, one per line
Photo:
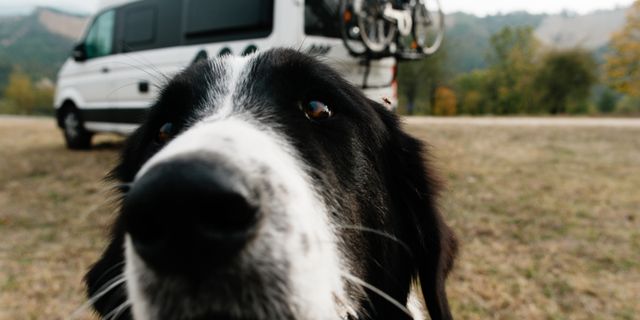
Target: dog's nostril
[188,213]
[228,213]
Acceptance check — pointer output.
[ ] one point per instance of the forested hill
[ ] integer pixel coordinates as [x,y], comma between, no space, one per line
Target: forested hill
[37,43]
[468,36]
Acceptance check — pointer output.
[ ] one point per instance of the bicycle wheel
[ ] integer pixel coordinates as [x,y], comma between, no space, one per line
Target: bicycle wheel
[350,30]
[364,20]
[428,26]
[377,32]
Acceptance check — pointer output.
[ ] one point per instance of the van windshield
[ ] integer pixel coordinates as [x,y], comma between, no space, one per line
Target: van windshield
[99,39]
[321,18]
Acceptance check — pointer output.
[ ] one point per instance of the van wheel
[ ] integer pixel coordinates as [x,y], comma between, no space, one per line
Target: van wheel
[76,136]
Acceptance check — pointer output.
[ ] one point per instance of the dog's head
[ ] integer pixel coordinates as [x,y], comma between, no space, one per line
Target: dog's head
[267,187]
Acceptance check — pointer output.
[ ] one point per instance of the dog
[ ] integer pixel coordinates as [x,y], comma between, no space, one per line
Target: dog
[268,187]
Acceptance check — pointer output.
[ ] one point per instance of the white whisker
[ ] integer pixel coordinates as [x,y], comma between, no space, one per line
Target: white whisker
[115,313]
[380,233]
[161,80]
[112,284]
[379,292]
[106,272]
[146,63]
[112,92]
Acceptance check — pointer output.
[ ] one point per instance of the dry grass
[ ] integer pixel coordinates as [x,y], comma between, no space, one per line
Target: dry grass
[54,212]
[549,219]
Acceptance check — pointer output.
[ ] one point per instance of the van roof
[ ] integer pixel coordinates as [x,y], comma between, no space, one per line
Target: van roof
[103,4]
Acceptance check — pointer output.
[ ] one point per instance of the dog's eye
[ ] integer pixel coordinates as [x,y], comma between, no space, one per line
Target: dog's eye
[316,110]
[165,133]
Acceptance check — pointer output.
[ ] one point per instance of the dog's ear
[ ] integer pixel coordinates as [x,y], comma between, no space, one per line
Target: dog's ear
[415,189]
[434,245]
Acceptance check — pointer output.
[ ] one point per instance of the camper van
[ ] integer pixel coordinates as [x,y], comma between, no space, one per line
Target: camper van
[130,48]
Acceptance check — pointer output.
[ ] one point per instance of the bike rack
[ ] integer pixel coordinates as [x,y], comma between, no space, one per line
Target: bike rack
[405,29]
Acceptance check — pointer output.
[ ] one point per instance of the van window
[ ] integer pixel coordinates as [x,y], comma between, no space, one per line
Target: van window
[224,20]
[149,24]
[321,18]
[139,27]
[99,40]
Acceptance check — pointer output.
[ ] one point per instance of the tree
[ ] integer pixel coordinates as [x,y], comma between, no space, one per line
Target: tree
[5,70]
[506,87]
[445,102]
[418,80]
[564,80]
[472,92]
[623,62]
[607,101]
[628,105]
[512,62]
[21,92]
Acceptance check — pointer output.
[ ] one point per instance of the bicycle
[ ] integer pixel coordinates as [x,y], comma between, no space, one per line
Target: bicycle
[408,30]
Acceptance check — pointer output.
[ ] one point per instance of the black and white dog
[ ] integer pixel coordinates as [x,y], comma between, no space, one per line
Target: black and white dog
[267,187]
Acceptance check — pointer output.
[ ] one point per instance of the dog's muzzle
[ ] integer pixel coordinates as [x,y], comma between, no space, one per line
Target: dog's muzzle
[188,216]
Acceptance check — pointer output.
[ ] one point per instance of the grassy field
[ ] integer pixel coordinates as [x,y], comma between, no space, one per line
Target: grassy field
[548,217]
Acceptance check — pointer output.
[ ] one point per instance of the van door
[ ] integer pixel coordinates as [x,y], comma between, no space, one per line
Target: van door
[92,78]
[145,29]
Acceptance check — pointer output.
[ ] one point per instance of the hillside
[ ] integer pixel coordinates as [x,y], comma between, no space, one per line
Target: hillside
[591,31]
[62,23]
[468,36]
[37,43]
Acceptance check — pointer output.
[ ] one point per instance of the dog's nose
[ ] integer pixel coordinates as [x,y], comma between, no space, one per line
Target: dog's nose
[188,215]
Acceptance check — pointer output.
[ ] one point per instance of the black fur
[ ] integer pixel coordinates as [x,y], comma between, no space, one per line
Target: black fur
[372,174]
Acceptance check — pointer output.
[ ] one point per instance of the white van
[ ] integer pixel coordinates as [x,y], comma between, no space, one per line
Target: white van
[132,47]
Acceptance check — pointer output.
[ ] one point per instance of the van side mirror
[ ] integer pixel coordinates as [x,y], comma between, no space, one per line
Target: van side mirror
[79,52]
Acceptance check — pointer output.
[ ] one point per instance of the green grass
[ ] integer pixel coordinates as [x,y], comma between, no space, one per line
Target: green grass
[548,218]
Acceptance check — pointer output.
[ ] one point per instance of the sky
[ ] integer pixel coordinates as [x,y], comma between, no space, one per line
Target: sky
[478,7]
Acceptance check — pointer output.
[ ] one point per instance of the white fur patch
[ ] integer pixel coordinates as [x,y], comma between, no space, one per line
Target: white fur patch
[415,302]
[134,267]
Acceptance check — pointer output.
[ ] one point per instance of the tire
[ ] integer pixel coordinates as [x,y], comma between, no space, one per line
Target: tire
[75,135]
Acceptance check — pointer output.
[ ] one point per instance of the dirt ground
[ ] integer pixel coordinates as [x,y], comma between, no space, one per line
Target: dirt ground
[548,217]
